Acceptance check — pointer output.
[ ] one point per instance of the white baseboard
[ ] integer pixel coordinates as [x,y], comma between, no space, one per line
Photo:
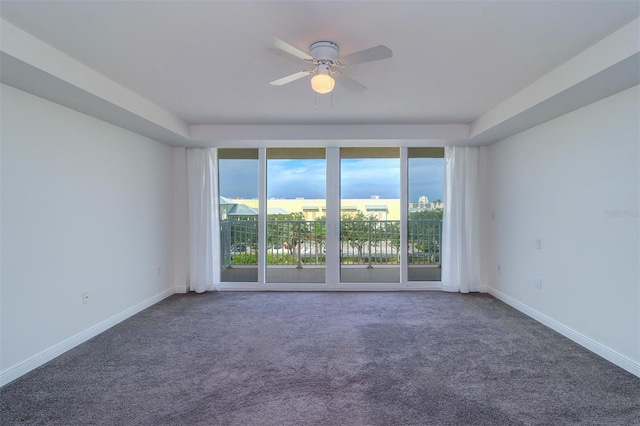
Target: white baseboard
[606,353]
[47,355]
[182,288]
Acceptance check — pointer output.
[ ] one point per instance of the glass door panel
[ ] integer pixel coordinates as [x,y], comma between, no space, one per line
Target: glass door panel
[296,215]
[424,233]
[369,215]
[238,185]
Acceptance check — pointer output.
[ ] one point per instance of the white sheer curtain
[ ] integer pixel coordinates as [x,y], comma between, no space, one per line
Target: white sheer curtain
[204,219]
[461,222]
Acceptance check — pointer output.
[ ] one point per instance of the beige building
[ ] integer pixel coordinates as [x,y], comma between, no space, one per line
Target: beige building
[382,209]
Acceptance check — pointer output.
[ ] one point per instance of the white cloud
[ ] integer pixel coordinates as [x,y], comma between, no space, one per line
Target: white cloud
[360,178]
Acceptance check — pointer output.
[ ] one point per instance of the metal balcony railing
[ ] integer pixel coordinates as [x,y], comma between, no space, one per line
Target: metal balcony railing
[300,242]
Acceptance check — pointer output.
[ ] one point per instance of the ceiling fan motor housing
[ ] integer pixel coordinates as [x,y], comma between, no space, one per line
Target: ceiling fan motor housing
[323,55]
[324,51]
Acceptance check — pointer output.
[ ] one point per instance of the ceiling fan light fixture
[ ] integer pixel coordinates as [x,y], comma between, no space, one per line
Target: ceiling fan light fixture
[325,56]
[322,83]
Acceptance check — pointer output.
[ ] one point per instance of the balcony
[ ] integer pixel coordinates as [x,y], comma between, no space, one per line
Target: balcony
[366,245]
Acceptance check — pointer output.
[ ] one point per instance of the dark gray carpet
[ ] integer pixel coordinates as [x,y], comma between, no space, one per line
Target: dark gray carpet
[326,359]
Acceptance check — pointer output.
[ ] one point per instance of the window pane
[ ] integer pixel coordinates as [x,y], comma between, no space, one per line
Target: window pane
[238,183]
[296,215]
[370,214]
[426,187]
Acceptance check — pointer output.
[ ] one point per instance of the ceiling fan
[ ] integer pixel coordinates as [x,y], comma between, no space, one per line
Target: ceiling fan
[324,56]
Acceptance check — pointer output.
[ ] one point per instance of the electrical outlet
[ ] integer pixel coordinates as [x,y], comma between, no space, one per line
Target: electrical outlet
[85,297]
[539,244]
[499,269]
[537,283]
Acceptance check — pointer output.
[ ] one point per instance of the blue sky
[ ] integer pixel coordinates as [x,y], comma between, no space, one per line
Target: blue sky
[360,178]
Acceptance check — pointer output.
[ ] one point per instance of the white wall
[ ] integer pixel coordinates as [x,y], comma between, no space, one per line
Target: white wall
[556,182]
[86,206]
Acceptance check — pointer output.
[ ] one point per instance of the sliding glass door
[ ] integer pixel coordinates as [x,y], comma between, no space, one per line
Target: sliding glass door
[331,217]
[424,213]
[238,184]
[370,215]
[296,220]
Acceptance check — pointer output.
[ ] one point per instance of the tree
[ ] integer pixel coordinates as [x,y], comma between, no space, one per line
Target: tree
[284,229]
[297,230]
[392,231]
[426,215]
[424,235]
[359,231]
[319,235]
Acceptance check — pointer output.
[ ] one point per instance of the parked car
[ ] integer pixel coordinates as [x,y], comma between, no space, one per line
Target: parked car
[238,248]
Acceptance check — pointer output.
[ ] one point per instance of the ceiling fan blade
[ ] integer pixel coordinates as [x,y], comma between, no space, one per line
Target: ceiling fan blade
[290,78]
[349,83]
[277,43]
[368,55]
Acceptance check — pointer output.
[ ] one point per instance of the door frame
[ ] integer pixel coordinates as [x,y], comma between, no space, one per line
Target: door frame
[332,265]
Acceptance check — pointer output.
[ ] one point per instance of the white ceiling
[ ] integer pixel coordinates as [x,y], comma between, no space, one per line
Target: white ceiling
[207,62]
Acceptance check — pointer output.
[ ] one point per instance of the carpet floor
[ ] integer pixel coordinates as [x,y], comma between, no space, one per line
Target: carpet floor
[423,358]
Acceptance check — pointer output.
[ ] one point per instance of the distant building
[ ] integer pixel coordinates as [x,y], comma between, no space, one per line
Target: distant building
[312,209]
[423,205]
[236,209]
[437,205]
[378,211]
